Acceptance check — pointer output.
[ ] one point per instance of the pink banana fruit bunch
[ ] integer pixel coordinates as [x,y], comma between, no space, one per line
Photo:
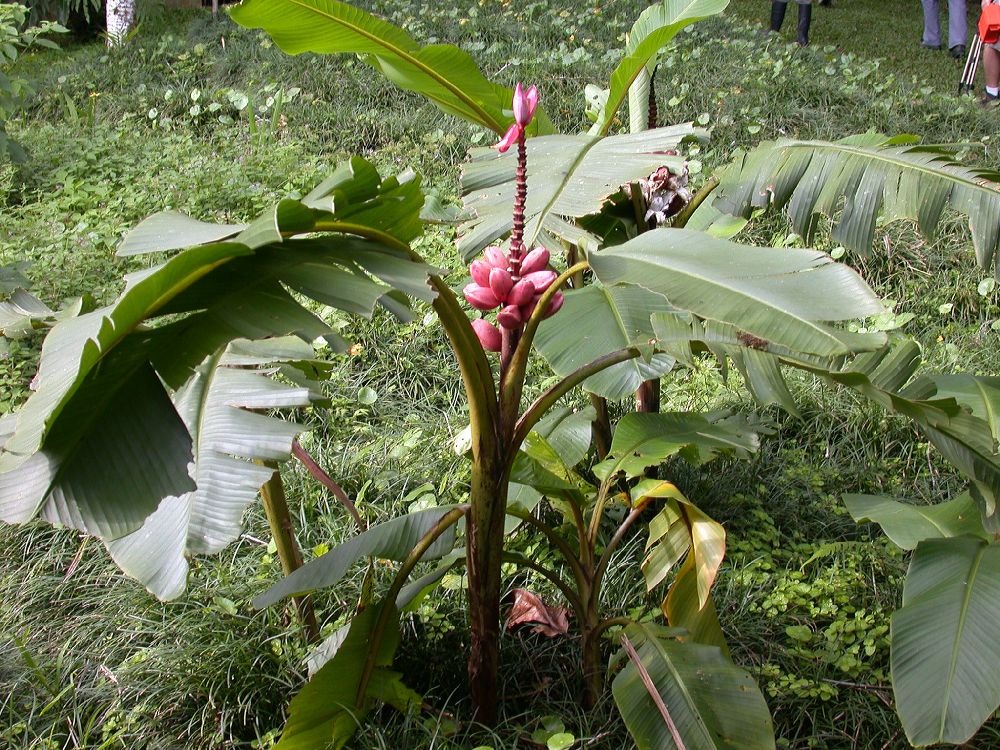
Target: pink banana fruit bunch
[514,285]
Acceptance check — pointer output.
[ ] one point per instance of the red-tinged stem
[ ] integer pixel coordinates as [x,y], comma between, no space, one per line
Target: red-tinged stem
[484,557]
[647,395]
[327,481]
[601,426]
[488,486]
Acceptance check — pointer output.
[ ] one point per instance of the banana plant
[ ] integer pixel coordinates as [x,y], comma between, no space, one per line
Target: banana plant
[116,383]
[128,395]
[546,463]
[943,638]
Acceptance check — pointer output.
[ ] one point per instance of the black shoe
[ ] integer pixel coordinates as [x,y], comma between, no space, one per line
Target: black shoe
[989,100]
[936,47]
[805,16]
[826,3]
[778,14]
[958,51]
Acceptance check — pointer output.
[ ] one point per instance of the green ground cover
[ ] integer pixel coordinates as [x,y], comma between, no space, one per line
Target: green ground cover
[88,659]
[875,30]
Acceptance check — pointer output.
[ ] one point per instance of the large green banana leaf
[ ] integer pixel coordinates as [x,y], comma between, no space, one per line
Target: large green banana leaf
[328,710]
[946,641]
[747,298]
[776,296]
[443,73]
[712,703]
[869,173]
[642,440]
[908,524]
[569,176]
[391,540]
[886,377]
[653,30]
[597,320]
[99,444]
[218,405]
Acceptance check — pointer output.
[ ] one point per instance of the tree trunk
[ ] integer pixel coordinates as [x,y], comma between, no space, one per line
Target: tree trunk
[120,20]
[488,495]
[593,666]
[647,397]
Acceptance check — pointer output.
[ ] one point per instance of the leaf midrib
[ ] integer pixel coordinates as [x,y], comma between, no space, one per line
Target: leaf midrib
[456,92]
[563,184]
[678,680]
[963,613]
[885,154]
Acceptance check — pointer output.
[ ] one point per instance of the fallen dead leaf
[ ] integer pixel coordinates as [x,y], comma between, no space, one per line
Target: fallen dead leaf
[530,609]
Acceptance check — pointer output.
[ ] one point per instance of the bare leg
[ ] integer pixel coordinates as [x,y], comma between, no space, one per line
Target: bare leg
[991,66]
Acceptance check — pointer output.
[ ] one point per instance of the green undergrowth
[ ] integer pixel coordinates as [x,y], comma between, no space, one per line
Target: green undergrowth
[89,660]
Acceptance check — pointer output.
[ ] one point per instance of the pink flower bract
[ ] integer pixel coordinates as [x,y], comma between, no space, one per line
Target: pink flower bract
[510,138]
[524,104]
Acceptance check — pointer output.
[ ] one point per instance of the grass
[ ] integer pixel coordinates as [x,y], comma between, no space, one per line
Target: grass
[872,30]
[90,660]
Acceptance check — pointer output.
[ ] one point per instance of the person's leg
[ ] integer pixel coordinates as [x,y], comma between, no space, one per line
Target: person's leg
[778,8]
[991,68]
[958,30]
[805,17]
[932,24]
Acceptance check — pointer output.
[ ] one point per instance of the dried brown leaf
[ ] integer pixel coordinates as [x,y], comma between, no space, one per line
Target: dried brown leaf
[530,609]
